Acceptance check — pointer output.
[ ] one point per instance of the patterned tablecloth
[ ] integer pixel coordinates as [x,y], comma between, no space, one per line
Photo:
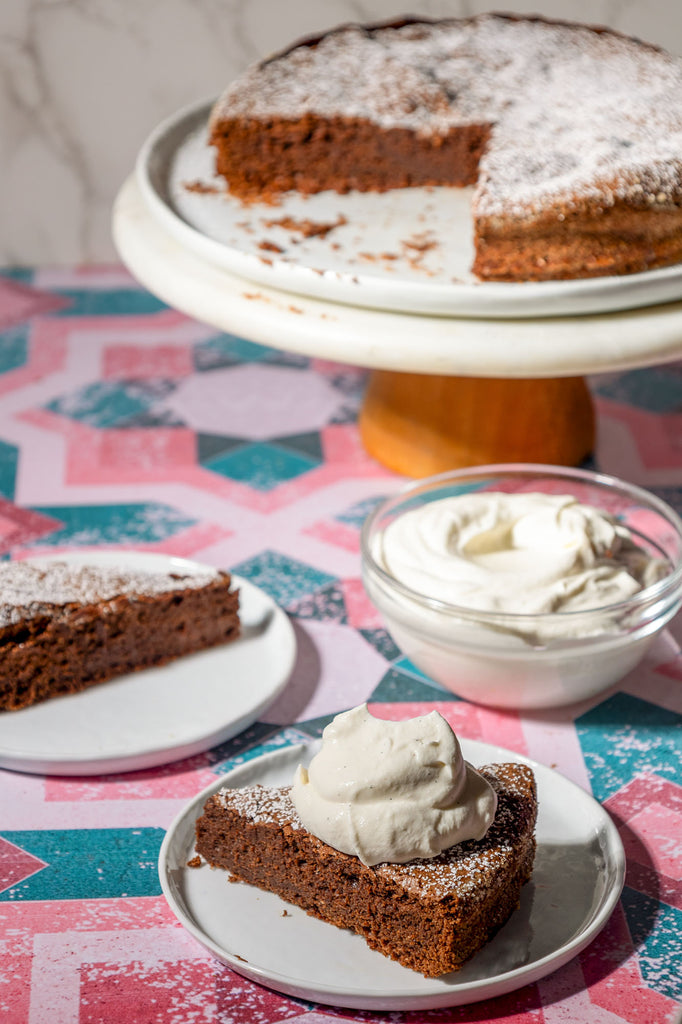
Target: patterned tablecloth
[123,424]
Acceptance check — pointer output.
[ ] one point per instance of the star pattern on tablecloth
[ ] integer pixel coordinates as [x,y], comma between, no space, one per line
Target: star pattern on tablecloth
[107,391]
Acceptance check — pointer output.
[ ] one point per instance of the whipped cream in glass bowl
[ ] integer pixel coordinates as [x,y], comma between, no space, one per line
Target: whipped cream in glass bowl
[524,586]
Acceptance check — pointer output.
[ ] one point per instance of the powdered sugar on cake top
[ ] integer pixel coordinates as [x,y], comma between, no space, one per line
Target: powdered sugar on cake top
[27,590]
[579,118]
[461,868]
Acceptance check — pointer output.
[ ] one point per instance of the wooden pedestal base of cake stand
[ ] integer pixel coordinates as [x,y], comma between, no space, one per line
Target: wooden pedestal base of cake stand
[418,425]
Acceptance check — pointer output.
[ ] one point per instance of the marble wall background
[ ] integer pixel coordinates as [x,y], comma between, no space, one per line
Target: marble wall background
[82,82]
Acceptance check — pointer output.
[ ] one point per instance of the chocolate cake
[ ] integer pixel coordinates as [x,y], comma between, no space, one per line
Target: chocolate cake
[571,134]
[431,915]
[64,628]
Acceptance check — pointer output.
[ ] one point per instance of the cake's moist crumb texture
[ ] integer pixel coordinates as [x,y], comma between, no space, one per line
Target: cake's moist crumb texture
[64,628]
[430,915]
[572,134]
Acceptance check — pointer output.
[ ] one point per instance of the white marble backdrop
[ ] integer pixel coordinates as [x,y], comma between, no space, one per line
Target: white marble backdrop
[82,82]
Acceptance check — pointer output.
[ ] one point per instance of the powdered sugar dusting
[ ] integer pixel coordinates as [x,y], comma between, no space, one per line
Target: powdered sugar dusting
[463,869]
[27,590]
[580,118]
[261,803]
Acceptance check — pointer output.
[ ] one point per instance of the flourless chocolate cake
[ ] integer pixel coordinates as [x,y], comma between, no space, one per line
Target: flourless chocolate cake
[64,628]
[431,915]
[571,134]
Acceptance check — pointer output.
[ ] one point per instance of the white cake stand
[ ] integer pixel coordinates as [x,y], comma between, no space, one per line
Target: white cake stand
[444,391]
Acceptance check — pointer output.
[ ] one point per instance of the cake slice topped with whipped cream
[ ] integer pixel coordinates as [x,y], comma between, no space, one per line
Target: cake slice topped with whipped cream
[470,834]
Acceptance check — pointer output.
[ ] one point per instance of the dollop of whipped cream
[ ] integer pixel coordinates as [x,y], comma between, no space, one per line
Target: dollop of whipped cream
[392,791]
[527,553]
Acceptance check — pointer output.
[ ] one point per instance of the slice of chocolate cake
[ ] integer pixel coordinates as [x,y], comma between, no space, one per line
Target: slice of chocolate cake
[66,627]
[431,915]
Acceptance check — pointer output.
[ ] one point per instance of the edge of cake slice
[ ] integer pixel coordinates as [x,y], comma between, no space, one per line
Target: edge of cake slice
[431,915]
[64,628]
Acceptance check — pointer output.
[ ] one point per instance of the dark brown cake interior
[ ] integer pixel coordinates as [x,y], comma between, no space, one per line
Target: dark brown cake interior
[261,161]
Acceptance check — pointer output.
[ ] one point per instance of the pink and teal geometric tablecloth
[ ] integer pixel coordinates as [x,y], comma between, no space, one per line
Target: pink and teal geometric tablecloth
[124,424]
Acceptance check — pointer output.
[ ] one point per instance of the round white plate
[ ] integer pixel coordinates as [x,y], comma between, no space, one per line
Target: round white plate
[405,250]
[576,882]
[161,714]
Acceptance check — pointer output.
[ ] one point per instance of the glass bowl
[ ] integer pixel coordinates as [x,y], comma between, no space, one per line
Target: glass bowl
[520,660]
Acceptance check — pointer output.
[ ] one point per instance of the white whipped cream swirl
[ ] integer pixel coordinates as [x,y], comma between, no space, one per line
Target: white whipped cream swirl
[392,791]
[526,553]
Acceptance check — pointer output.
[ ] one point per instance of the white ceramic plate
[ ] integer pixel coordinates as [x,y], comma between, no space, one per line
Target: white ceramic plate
[576,882]
[161,714]
[407,250]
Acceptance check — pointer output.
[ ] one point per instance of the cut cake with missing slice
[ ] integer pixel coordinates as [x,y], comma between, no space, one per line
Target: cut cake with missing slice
[64,627]
[431,915]
[570,134]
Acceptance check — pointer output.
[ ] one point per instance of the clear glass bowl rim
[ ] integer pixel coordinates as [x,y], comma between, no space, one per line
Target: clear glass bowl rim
[668,588]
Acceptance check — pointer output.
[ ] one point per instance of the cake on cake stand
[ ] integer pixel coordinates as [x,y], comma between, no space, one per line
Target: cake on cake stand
[448,387]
